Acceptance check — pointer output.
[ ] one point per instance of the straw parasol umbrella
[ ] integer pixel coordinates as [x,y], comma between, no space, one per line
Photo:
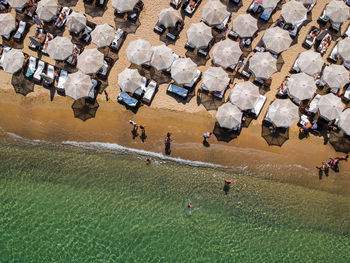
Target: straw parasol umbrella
[162,57]
[215,79]
[275,137]
[283,113]
[344,121]
[102,35]
[199,35]
[269,3]
[245,25]
[276,40]
[228,116]
[47,10]
[293,12]
[13,61]
[129,80]
[262,65]
[78,85]
[17,4]
[337,11]
[183,70]
[90,61]
[244,95]
[60,48]
[344,49]
[226,53]
[168,17]
[7,24]
[310,62]
[139,51]
[330,106]
[124,6]
[214,12]
[84,110]
[76,22]
[335,76]
[301,86]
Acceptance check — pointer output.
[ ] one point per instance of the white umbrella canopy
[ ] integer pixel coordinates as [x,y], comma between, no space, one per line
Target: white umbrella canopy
[129,80]
[283,113]
[244,95]
[199,35]
[307,2]
[215,79]
[344,49]
[124,5]
[139,51]
[17,3]
[90,61]
[47,10]
[78,85]
[214,12]
[60,48]
[330,106]
[183,70]
[276,39]
[7,24]
[102,35]
[245,25]
[344,121]
[293,12]
[301,86]
[262,65]
[269,3]
[335,76]
[13,61]
[310,62]
[162,57]
[168,17]
[228,116]
[337,11]
[226,53]
[76,22]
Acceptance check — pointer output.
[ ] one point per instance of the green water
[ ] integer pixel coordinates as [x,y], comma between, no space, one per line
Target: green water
[64,204]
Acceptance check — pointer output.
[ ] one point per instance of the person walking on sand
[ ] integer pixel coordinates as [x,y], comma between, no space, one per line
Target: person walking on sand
[134,124]
[342,158]
[207,135]
[167,143]
[143,133]
[320,172]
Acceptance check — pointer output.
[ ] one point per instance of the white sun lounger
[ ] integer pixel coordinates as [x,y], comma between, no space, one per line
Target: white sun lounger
[150,91]
[313,107]
[6,49]
[259,105]
[39,70]
[62,80]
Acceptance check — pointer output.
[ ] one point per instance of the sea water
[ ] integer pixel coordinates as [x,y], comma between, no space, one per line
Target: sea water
[75,202]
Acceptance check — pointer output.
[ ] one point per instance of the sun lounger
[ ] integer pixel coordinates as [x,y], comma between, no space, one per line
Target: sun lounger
[346,95]
[174,32]
[31,68]
[106,68]
[194,81]
[309,7]
[325,42]
[294,30]
[236,1]
[313,106]
[150,92]
[254,7]
[224,23]
[100,3]
[138,93]
[4,6]
[49,76]
[192,6]
[346,64]
[37,74]
[266,14]
[62,17]
[323,19]
[127,100]
[176,3]
[311,37]
[159,28]
[19,33]
[334,53]
[295,68]
[245,71]
[347,32]
[347,2]
[62,80]
[72,59]
[4,51]
[232,34]
[260,47]
[189,46]
[178,91]
[49,37]
[118,39]
[336,26]
[259,105]
[134,15]
[86,36]
[218,95]
[95,85]
[35,41]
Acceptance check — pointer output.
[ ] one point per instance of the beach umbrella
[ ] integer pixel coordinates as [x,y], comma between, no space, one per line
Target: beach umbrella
[13,61]
[244,95]
[337,11]
[214,12]
[330,106]
[301,86]
[340,142]
[199,35]
[269,3]
[283,113]
[276,39]
[215,79]
[17,4]
[162,57]
[228,116]
[78,85]
[60,48]
[21,84]
[139,51]
[183,70]
[102,35]
[344,121]
[7,24]
[124,5]
[262,65]
[76,22]
[47,10]
[84,109]
[129,80]
[90,61]
[310,62]
[168,17]
[344,49]
[276,136]
[335,76]
[245,25]
[293,12]
[226,53]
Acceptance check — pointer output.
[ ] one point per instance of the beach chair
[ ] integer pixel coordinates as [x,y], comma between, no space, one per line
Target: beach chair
[172,88]
[86,35]
[100,3]
[4,51]
[189,46]
[191,85]
[313,105]
[336,26]
[346,95]
[35,41]
[174,32]
[4,6]
[232,34]
[192,7]
[204,51]
[19,33]
[138,93]
[72,59]
[333,56]
[311,37]
[127,100]
[325,42]
[106,68]
[260,47]
[62,17]
[258,106]
[295,68]
[235,1]
[347,32]
[62,80]
[346,64]
[218,95]
[150,92]
[94,89]
[176,3]
[323,19]
[245,71]
[347,2]
[134,15]
[118,39]
[39,70]
[31,68]
[294,30]
[159,28]
[254,7]
[224,23]
[48,77]
[48,38]
[266,14]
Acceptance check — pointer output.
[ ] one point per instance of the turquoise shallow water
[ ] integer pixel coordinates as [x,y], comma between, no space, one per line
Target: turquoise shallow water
[60,203]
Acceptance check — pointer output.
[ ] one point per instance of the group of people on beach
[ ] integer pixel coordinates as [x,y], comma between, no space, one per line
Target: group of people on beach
[333,163]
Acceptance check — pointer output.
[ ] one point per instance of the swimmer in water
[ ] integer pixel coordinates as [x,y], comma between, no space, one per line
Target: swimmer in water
[189,206]
[148,160]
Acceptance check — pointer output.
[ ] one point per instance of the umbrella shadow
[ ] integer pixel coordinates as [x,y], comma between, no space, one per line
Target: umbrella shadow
[198,59]
[210,102]
[21,84]
[248,120]
[159,76]
[217,35]
[224,135]
[94,10]
[167,41]
[232,7]
[68,3]
[108,52]
[85,109]
[340,141]
[274,136]
[52,29]
[65,66]
[126,25]
[191,94]
[279,63]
